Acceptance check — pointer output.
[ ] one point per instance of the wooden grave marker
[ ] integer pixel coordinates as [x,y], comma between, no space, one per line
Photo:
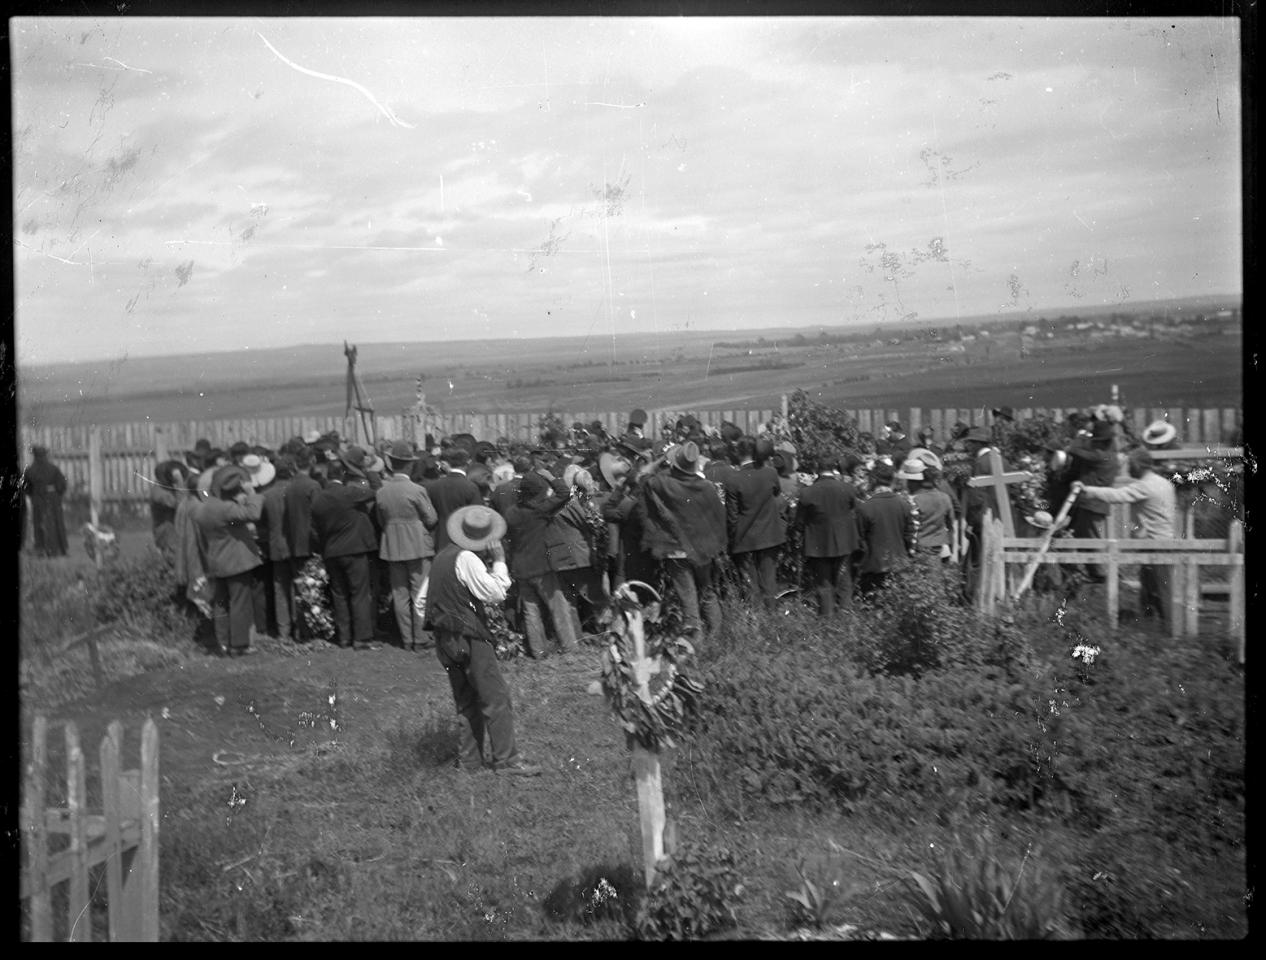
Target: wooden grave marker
[999,478]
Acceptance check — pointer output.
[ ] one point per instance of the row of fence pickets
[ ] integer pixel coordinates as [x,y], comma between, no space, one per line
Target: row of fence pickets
[63,845]
[130,451]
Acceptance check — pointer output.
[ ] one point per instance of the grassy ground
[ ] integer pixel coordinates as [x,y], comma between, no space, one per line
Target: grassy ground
[308,794]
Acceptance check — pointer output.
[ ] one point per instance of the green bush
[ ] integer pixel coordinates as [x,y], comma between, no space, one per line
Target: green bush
[693,895]
[142,594]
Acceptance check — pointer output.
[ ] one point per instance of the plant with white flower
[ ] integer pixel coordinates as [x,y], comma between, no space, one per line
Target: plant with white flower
[1085,653]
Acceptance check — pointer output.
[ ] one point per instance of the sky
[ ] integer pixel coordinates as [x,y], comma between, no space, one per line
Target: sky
[186,185]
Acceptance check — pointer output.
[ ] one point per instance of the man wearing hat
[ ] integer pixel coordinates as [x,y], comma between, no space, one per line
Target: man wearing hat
[888,530]
[343,533]
[540,498]
[460,584]
[826,512]
[363,467]
[452,491]
[934,508]
[1160,435]
[894,444]
[977,441]
[227,537]
[1153,504]
[637,424]
[406,518]
[297,519]
[683,525]
[1092,461]
[753,505]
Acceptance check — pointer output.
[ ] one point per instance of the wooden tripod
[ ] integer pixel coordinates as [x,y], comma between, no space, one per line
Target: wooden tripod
[362,405]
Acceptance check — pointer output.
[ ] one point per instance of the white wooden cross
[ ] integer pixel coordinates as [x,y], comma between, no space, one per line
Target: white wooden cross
[637,602]
[998,479]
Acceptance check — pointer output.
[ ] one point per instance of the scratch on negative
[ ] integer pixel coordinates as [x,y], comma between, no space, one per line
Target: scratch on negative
[384,110]
[619,106]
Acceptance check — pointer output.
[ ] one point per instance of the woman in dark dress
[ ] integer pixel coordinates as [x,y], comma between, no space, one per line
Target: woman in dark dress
[44,486]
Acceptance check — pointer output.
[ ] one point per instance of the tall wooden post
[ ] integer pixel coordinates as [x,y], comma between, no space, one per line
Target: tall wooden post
[1235,546]
[646,770]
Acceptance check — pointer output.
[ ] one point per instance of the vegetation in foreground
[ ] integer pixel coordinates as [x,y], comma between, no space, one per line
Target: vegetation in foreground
[907,774]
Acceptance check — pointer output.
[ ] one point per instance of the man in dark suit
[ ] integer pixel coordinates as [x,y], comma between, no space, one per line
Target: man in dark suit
[753,506]
[894,443]
[506,495]
[827,514]
[888,531]
[297,519]
[1092,461]
[452,491]
[539,585]
[343,533]
[683,524]
[45,485]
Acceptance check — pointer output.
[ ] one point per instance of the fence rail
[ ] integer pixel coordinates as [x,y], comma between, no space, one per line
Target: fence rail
[130,451]
[1186,555]
[122,839]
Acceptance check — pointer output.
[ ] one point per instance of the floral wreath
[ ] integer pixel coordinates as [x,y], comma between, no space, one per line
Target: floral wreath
[660,722]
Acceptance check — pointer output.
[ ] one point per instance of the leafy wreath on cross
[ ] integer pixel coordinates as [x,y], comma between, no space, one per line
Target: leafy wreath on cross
[674,694]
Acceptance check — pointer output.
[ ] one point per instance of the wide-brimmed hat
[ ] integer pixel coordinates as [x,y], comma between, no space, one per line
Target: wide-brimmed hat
[978,434]
[1159,433]
[635,448]
[1043,520]
[613,467]
[475,527]
[229,477]
[361,462]
[1005,413]
[911,469]
[261,471]
[929,458]
[402,452]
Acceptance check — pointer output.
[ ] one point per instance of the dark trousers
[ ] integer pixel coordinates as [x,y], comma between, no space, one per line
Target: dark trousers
[1090,526]
[353,598]
[234,610]
[481,697]
[407,577]
[283,588]
[868,583]
[756,571]
[1154,591]
[695,585]
[261,595]
[832,578]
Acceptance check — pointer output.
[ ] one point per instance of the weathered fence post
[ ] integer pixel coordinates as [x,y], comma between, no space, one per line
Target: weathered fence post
[76,799]
[35,829]
[1235,546]
[96,479]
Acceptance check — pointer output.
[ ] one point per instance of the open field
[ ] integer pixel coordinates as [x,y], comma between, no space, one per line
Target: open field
[677,370]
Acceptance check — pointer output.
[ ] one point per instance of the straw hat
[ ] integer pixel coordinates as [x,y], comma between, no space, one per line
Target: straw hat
[261,471]
[927,456]
[911,469]
[1159,433]
[613,467]
[475,527]
[1043,520]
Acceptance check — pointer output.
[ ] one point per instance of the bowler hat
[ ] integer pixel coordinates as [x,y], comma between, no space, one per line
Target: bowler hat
[401,452]
[637,418]
[475,527]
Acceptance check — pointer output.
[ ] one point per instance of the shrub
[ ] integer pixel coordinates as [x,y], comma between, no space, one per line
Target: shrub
[693,895]
[142,593]
[969,894]
[820,431]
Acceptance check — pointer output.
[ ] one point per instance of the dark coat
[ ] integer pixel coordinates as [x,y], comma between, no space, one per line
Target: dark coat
[505,496]
[272,521]
[45,485]
[569,539]
[681,513]
[297,514]
[448,494]
[526,525]
[886,523]
[625,529]
[1095,467]
[828,515]
[342,523]
[753,505]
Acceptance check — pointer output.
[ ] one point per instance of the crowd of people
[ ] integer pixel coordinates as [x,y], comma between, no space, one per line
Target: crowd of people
[459,540]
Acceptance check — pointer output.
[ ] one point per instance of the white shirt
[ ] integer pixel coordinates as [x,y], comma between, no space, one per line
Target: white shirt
[490,586]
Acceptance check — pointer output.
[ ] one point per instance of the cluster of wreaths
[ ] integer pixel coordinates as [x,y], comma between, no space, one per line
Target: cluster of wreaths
[674,695]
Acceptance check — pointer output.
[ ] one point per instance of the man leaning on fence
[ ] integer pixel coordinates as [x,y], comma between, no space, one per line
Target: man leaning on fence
[1154,508]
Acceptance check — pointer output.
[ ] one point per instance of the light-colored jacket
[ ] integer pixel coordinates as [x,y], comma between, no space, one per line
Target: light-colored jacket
[406,517]
[1152,503]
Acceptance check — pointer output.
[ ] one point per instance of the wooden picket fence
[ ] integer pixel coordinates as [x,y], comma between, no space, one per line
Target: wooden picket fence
[114,463]
[1187,555]
[122,840]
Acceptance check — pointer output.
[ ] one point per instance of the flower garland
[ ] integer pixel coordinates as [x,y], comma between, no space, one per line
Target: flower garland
[313,600]
[660,722]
